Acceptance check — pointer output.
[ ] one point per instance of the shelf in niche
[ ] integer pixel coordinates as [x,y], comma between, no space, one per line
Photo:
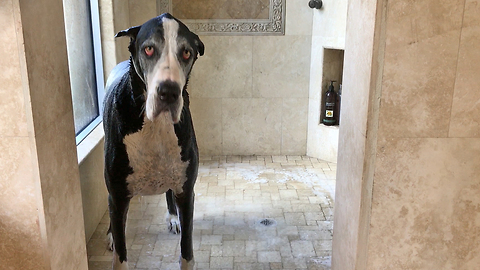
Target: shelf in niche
[332,71]
[332,127]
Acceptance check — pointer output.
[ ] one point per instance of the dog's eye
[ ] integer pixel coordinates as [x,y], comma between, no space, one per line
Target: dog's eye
[149,50]
[186,54]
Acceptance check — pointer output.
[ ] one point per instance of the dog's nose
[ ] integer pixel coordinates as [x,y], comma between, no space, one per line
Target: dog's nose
[168,92]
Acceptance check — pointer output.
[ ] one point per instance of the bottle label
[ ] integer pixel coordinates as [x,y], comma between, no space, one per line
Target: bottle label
[329,104]
[328,113]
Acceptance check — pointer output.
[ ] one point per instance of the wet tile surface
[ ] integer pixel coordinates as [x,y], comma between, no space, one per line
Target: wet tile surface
[234,194]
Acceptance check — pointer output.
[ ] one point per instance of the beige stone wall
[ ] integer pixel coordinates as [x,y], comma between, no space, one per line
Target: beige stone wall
[114,17]
[354,179]
[407,192]
[22,209]
[94,191]
[426,199]
[42,221]
[221,9]
[49,86]
[328,32]
[249,94]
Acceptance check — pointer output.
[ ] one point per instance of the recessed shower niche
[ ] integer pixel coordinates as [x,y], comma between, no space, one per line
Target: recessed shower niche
[332,72]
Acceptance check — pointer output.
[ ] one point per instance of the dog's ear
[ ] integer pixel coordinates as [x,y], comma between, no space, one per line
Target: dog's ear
[131,32]
[199,44]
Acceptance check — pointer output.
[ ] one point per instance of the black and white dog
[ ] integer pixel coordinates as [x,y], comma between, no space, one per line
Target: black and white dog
[150,145]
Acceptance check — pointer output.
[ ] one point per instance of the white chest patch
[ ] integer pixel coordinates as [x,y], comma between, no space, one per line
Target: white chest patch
[154,155]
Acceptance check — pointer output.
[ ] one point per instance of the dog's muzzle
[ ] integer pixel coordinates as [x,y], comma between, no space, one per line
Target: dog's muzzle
[168,98]
[168,92]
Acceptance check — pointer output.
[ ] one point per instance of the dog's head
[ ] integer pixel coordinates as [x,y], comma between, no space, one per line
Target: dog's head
[163,53]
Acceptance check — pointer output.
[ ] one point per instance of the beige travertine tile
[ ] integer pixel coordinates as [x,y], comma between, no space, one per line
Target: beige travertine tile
[141,10]
[302,248]
[293,159]
[413,22]
[61,200]
[227,231]
[94,192]
[424,188]
[470,17]
[51,108]
[417,88]
[279,159]
[221,262]
[280,74]
[328,32]
[121,20]
[433,232]
[13,123]
[269,256]
[294,126]
[295,219]
[298,19]
[251,126]
[225,70]
[47,78]
[234,248]
[294,263]
[359,44]
[204,9]
[248,9]
[419,71]
[107,36]
[20,233]
[316,67]
[221,9]
[465,118]
[207,119]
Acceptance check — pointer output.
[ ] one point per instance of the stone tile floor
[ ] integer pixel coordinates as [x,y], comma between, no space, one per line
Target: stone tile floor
[234,194]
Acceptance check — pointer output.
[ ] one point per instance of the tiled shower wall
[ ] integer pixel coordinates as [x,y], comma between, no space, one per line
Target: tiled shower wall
[328,32]
[249,94]
[41,219]
[409,156]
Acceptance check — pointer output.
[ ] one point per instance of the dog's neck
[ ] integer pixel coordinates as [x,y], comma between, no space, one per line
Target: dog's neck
[186,98]
[138,86]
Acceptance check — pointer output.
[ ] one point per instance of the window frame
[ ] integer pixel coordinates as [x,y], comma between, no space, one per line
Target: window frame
[98,66]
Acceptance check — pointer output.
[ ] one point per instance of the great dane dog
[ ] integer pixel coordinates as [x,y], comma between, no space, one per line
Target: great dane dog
[150,145]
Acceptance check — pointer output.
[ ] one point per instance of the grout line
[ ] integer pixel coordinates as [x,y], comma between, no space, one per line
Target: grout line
[456,69]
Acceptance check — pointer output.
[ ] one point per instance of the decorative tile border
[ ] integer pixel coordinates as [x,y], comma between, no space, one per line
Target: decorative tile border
[275,25]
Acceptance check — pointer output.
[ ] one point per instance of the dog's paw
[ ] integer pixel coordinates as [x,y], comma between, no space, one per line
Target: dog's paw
[187,265]
[117,265]
[110,241]
[173,223]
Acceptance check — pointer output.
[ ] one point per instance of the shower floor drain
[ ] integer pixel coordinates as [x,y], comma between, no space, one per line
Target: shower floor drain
[268,222]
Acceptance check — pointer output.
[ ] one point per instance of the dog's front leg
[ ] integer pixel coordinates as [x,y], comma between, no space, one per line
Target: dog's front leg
[185,211]
[118,208]
[171,217]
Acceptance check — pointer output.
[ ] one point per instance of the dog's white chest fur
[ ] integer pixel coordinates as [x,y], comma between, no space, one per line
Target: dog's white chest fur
[154,155]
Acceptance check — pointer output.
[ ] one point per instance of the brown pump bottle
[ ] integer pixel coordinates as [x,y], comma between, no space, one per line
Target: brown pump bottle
[330,117]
